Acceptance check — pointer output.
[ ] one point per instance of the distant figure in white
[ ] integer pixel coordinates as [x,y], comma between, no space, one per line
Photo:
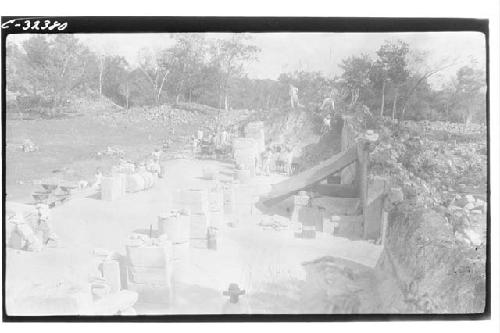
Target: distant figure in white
[194,145]
[199,135]
[156,155]
[328,105]
[286,158]
[225,137]
[98,179]
[294,96]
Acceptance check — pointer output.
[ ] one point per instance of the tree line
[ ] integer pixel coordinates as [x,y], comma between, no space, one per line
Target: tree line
[395,83]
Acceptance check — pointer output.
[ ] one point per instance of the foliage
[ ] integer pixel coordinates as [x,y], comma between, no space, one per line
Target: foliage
[44,71]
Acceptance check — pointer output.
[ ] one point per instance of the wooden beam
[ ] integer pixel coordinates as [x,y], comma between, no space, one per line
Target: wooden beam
[336,190]
[362,180]
[310,177]
[375,191]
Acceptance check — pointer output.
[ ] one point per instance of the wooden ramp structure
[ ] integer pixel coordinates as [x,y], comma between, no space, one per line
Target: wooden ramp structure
[313,176]
[369,219]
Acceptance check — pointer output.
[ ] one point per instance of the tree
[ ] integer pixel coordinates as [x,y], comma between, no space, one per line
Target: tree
[392,63]
[116,73]
[17,71]
[313,86]
[379,77]
[421,71]
[226,58]
[54,66]
[186,64]
[356,75]
[470,90]
[155,68]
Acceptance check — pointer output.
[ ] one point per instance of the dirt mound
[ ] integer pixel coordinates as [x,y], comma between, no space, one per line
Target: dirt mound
[438,274]
[328,145]
[297,128]
[335,285]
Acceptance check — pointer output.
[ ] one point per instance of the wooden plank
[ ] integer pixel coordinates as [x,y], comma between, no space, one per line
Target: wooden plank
[336,190]
[362,179]
[309,177]
[376,190]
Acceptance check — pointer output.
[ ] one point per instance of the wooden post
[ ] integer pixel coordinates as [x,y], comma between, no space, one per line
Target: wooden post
[363,179]
[383,222]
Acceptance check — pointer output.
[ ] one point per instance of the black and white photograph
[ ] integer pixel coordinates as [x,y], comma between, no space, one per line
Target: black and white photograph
[229,172]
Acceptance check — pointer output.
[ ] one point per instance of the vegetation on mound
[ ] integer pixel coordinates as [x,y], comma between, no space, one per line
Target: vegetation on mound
[441,275]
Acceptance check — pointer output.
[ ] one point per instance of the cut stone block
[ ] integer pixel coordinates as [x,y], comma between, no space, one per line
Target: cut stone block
[310,216]
[148,256]
[135,183]
[149,275]
[175,226]
[198,243]
[196,200]
[348,226]
[199,225]
[328,226]
[111,188]
[111,274]
[216,200]
[217,218]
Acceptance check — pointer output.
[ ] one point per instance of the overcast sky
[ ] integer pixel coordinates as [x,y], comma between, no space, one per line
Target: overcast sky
[286,52]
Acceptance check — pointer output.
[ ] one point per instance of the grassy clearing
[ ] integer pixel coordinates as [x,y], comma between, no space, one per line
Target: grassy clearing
[67,150]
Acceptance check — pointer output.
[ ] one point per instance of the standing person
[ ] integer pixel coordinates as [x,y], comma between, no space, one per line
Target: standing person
[327,123]
[44,226]
[294,96]
[166,145]
[218,137]
[328,104]
[153,166]
[199,134]
[266,162]
[98,179]
[224,137]
[156,155]
[194,145]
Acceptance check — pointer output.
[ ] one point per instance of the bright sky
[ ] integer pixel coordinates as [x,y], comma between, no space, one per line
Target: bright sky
[286,52]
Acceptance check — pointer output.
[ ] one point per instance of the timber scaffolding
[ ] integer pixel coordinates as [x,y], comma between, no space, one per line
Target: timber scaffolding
[369,219]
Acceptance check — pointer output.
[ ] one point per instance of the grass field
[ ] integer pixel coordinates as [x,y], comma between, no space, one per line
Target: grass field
[68,149]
